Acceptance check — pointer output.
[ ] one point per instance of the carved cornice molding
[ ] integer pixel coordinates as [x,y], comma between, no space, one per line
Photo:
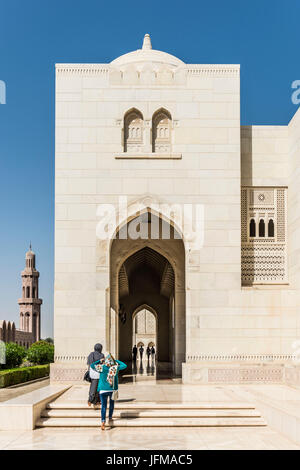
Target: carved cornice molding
[191,69]
[148,156]
[213,70]
[70,358]
[241,357]
[82,69]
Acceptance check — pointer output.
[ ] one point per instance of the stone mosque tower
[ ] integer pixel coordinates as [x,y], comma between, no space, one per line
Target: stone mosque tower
[30,309]
[30,304]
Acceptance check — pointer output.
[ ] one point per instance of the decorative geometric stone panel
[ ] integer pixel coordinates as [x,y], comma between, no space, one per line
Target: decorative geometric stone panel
[263,235]
[261,196]
[281,215]
[263,263]
[244,217]
[237,358]
[67,375]
[145,322]
[259,374]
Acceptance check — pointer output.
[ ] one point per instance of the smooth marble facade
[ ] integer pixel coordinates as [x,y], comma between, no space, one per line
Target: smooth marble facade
[209,159]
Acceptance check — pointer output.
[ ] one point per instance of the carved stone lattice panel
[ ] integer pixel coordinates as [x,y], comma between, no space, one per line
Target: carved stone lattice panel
[244,214]
[150,323]
[67,375]
[162,148]
[263,263]
[261,196]
[263,235]
[140,322]
[145,322]
[281,215]
[135,148]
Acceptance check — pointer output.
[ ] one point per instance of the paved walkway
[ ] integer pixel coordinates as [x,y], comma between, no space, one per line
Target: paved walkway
[150,438]
[9,393]
[149,387]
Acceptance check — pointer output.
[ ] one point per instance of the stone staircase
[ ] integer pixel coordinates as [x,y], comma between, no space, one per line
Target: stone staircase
[153,414]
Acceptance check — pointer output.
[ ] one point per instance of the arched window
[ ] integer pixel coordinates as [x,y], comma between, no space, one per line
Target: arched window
[27,292]
[27,316]
[133,130]
[261,228]
[33,292]
[161,131]
[271,228]
[252,228]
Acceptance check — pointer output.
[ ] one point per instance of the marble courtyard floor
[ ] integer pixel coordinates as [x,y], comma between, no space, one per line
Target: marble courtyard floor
[150,438]
[147,386]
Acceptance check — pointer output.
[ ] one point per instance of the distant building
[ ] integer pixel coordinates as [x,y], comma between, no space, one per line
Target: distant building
[30,308]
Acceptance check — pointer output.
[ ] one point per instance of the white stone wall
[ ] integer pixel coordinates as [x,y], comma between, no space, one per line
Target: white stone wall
[294,201]
[88,136]
[265,155]
[204,102]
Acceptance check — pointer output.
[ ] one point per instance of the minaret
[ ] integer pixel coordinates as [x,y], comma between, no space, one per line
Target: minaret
[30,304]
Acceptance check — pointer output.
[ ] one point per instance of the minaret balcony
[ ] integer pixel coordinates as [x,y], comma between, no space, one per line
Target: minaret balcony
[30,300]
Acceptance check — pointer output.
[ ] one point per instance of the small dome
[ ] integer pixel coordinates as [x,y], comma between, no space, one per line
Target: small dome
[147,54]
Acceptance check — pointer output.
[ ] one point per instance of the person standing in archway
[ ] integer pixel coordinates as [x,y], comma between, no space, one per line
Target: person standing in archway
[141,352]
[134,353]
[153,353]
[148,352]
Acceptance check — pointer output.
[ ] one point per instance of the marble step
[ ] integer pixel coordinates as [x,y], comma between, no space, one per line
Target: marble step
[152,422]
[157,405]
[151,413]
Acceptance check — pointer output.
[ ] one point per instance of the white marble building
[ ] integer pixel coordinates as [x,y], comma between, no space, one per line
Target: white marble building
[158,132]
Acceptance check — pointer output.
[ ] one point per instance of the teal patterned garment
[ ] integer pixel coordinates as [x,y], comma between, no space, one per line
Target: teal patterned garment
[108,380]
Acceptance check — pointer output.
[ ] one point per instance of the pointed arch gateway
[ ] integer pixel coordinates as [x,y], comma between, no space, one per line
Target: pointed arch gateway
[148,271]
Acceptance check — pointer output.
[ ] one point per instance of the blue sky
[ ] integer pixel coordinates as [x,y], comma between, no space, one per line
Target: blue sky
[263,36]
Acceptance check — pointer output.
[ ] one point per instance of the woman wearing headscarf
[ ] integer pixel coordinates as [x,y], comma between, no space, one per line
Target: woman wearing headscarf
[108,384]
[94,356]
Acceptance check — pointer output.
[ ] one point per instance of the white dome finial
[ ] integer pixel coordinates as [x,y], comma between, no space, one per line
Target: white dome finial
[147,42]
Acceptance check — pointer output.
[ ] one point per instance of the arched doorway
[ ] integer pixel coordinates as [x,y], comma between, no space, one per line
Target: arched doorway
[144,327]
[148,271]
